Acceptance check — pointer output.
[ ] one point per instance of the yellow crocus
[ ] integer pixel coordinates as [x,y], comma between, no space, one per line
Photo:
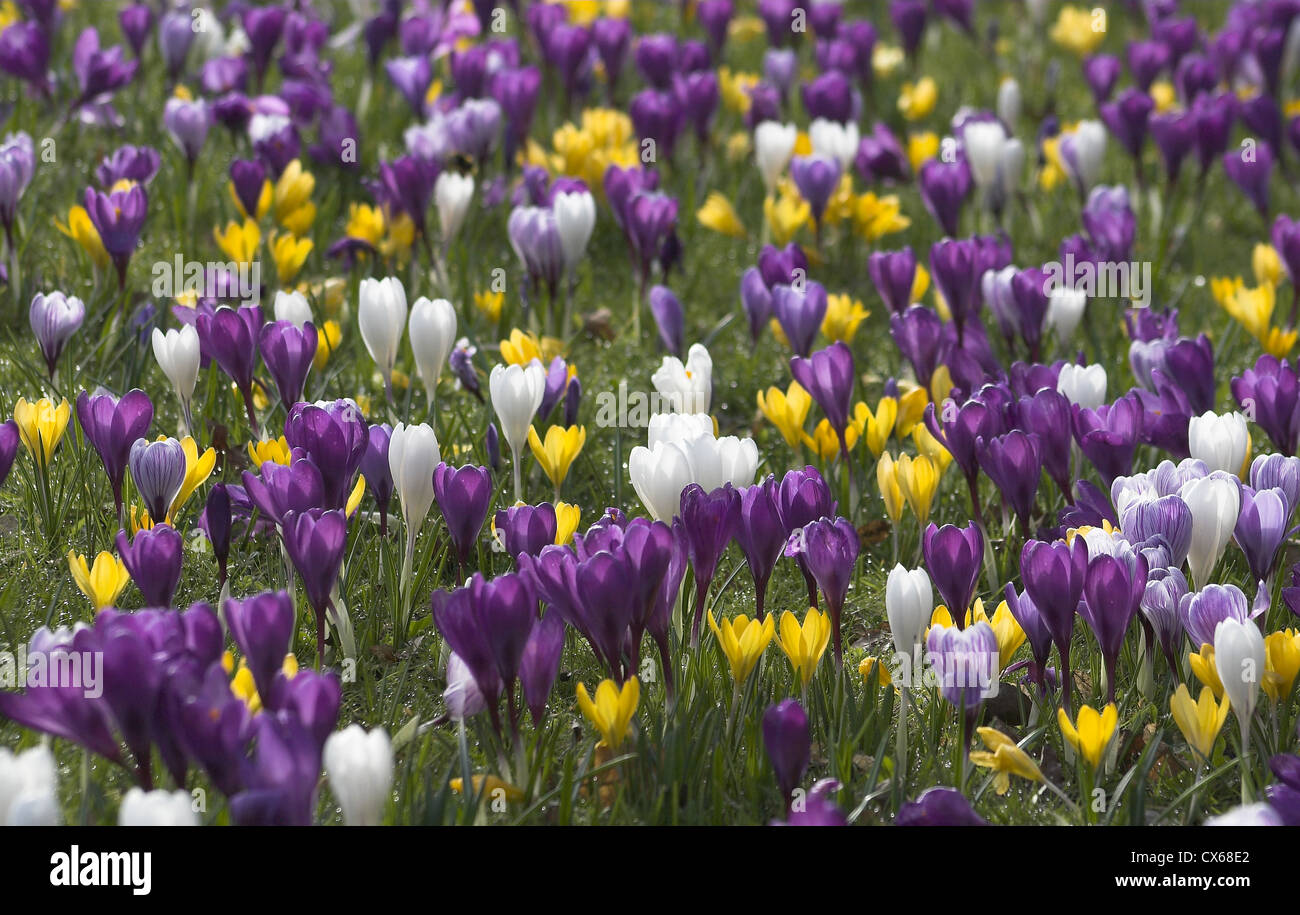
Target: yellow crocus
[291,199]
[41,425]
[743,642]
[275,450]
[401,236]
[488,786]
[103,582]
[1266,265]
[1164,95]
[365,222]
[930,446]
[941,384]
[1199,721]
[917,100]
[1005,758]
[521,349]
[1092,733]
[786,214]
[489,304]
[263,201]
[734,89]
[920,283]
[1079,30]
[876,427]
[786,411]
[354,497]
[289,253]
[556,454]
[886,59]
[81,230]
[328,337]
[843,315]
[918,479]
[198,467]
[739,147]
[566,522]
[911,409]
[870,663]
[804,645]
[1278,342]
[239,242]
[890,491]
[1006,629]
[875,217]
[921,148]
[611,712]
[1281,663]
[825,443]
[720,216]
[1203,668]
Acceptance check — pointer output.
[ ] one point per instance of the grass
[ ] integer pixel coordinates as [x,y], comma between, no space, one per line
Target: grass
[703,762]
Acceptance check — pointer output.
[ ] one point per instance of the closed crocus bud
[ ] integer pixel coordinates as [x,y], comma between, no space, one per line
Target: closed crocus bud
[187,123]
[54,318]
[773,147]
[1064,311]
[153,558]
[1239,658]
[1215,502]
[157,808]
[463,697]
[492,444]
[1008,104]
[834,140]
[177,352]
[292,307]
[1084,385]
[381,315]
[983,142]
[360,769]
[433,334]
[517,392]
[788,743]
[29,788]
[452,194]
[688,387]
[216,523]
[1221,441]
[413,455]
[659,474]
[909,601]
[572,400]
[158,469]
[575,218]
[1082,153]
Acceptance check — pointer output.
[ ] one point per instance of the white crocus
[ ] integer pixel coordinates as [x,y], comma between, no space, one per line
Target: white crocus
[452,193]
[517,392]
[983,142]
[292,307]
[1239,659]
[1008,103]
[909,601]
[773,148]
[1064,311]
[688,387]
[433,334]
[381,315]
[360,769]
[575,219]
[834,140]
[1086,150]
[1221,441]
[675,427]
[1083,384]
[177,352]
[1215,501]
[157,808]
[413,455]
[659,474]
[29,788]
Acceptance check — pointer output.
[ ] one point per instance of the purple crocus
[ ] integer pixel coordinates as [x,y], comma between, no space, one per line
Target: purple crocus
[187,122]
[709,521]
[612,38]
[918,334]
[957,266]
[939,806]
[112,426]
[1101,73]
[175,35]
[1175,136]
[944,189]
[1250,168]
[54,318]
[281,488]
[789,745]
[1053,576]
[525,528]
[965,663]
[1273,387]
[908,17]
[315,541]
[262,626]
[894,274]
[153,557]
[828,376]
[1202,611]
[463,495]
[1261,527]
[334,436]
[756,300]
[230,335]
[17,166]
[118,217]
[158,470]
[539,664]
[761,535]
[25,55]
[1014,462]
[288,350]
[1107,436]
[1160,601]
[1026,613]
[1112,591]
[1127,118]
[954,556]
[216,523]
[816,177]
[536,239]
[669,318]
[9,448]
[830,549]
[800,311]
[379,476]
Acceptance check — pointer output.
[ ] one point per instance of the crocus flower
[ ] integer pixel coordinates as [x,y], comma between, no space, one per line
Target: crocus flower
[939,806]
[540,664]
[1215,502]
[9,448]
[800,311]
[360,770]
[187,122]
[229,336]
[1054,576]
[178,355]
[1240,658]
[965,662]
[315,541]
[1261,527]
[944,189]
[1091,734]
[894,275]
[1249,169]
[761,535]
[118,218]
[709,520]
[828,376]
[1273,387]
[804,644]
[381,315]
[789,745]
[288,351]
[1014,462]
[334,435]
[158,470]
[463,495]
[153,557]
[102,581]
[516,393]
[413,458]
[954,556]
[830,549]
[41,425]
[1113,589]
[669,318]
[54,318]
[112,426]
[1202,611]
[611,712]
